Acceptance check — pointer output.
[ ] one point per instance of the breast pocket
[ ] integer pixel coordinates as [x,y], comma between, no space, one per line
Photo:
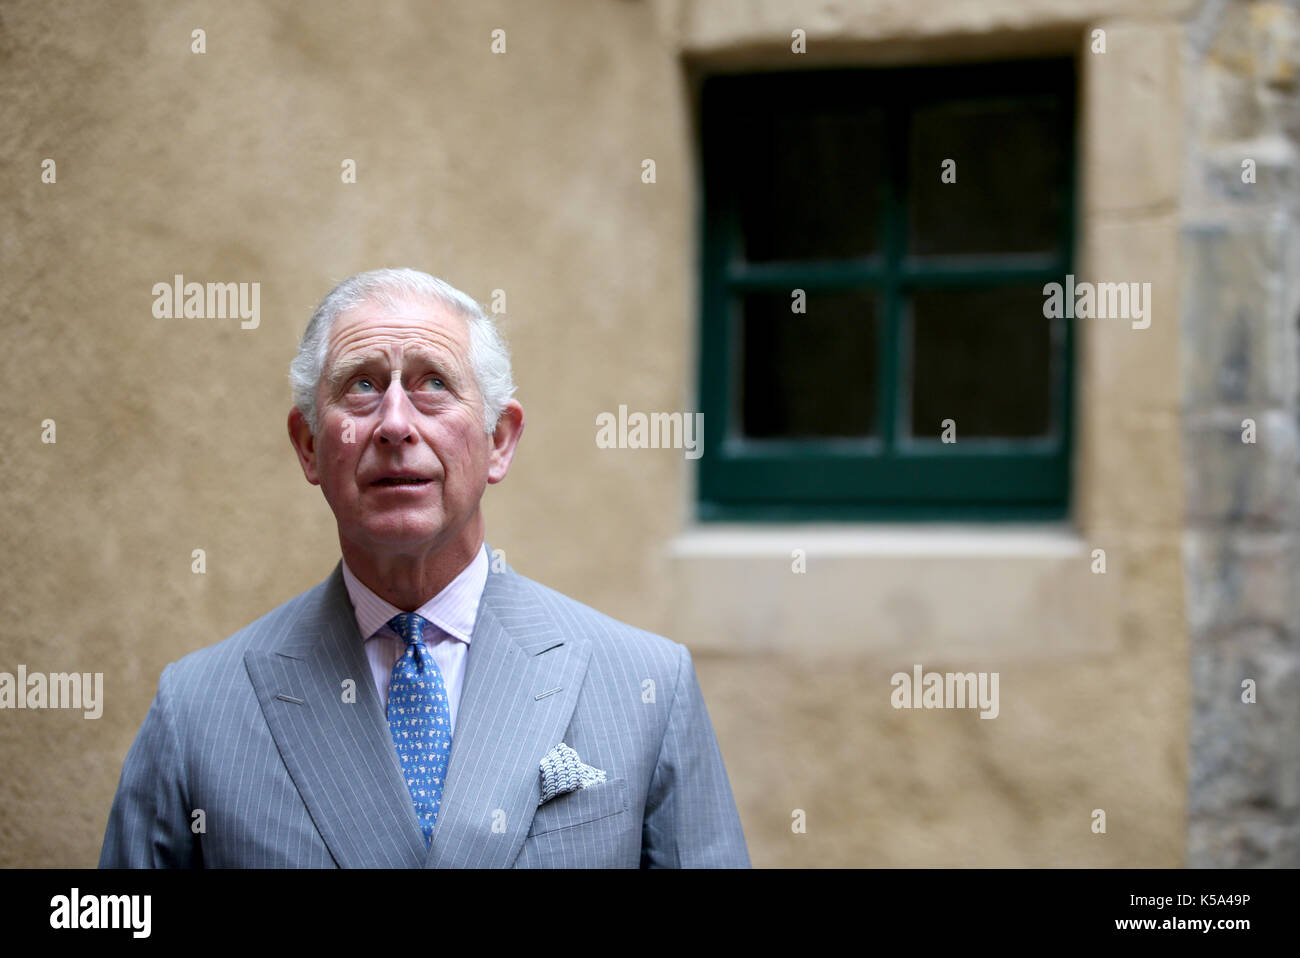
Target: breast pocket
[581,806]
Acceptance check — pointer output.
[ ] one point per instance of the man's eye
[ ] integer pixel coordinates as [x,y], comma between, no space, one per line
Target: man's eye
[434,382]
[362,385]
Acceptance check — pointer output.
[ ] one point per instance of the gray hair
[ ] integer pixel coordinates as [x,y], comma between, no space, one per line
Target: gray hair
[489,357]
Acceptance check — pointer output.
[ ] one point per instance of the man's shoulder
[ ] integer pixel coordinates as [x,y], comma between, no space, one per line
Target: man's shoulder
[609,636]
[262,633]
[518,606]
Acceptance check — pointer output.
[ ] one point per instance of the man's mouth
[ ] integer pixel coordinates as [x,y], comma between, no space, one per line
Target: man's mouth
[401,481]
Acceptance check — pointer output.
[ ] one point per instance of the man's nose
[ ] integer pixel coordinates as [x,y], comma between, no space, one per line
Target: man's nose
[395,414]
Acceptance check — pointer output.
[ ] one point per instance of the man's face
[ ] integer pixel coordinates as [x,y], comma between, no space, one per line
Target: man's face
[400,453]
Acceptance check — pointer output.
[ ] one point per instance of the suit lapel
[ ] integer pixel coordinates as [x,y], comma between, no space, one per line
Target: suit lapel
[522,678]
[339,754]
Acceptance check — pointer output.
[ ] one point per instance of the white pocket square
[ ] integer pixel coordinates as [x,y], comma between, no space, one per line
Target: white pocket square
[562,771]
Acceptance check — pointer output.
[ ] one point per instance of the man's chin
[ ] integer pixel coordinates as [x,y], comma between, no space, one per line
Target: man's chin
[399,536]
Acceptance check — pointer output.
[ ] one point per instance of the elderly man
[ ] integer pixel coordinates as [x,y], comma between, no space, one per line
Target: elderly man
[425,705]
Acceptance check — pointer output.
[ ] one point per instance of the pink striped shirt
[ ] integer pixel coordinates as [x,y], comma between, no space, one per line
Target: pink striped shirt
[453,611]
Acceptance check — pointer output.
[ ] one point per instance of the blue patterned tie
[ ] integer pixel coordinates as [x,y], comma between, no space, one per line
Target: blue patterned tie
[419,720]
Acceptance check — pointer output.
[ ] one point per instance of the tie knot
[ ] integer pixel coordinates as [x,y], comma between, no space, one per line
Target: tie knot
[409,626]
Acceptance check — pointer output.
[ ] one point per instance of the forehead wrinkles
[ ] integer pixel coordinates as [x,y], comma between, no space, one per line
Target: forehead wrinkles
[398,336]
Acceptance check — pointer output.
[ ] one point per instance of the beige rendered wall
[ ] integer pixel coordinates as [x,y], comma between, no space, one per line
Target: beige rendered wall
[521,172]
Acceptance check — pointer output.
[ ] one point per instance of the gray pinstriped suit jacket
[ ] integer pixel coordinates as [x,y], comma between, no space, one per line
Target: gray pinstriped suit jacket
[254,730]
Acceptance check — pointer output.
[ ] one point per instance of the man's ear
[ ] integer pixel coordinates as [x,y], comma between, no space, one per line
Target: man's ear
[509,428]
[304,444]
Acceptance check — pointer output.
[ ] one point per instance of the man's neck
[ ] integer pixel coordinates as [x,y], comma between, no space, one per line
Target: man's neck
[410,581]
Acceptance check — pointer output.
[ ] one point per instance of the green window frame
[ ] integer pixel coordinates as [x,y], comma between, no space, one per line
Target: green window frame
[888,475]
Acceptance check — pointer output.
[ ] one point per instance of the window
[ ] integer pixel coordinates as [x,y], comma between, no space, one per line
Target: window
[864,299]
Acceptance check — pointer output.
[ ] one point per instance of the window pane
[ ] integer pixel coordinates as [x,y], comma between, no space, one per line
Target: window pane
[982,358]
[809,183]
[808,374]
[1011,167]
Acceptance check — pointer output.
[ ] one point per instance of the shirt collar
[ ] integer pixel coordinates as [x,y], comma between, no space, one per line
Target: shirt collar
[453,610]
